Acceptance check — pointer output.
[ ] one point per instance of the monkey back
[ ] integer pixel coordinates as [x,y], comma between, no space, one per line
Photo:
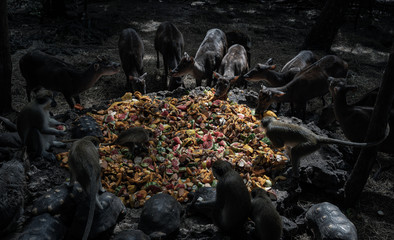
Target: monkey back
[287,133]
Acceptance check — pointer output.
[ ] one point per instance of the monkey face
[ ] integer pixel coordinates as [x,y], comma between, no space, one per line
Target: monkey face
[220,167]
[44,97]
[266,121]
[339,85]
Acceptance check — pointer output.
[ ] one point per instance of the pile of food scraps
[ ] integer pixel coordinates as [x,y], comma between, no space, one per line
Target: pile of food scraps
[189,134]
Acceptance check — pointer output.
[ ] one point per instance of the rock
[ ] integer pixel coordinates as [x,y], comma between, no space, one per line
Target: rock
[161,216]
[104,219]
[12,184]
[131,235]
[179,92]
[43,227]
[203,194]
[9,143]
[10,139]
[282,199]
[289,227]
[329,223]
[252,98]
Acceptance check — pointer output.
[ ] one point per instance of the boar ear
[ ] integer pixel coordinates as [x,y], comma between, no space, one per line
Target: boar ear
[216,75]
[278,93]
[96,66]
[270,61]
[272,67]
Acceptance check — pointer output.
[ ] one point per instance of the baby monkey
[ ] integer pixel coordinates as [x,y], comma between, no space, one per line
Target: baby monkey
[131,137]
[85,167]
[300,141]
[268,223]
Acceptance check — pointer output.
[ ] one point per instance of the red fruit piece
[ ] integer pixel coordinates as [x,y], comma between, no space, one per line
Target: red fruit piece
[182,107]
[177,140]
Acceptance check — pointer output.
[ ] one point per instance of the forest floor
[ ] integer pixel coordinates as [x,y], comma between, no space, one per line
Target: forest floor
[277,30]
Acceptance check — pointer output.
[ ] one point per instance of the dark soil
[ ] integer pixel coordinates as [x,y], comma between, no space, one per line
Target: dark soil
[276,29]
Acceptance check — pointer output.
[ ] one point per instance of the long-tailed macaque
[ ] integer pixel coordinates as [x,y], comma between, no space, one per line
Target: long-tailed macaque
[85,168]
[300,141]
[268,223]
[232,199]
[131,137]
[231,207]
[34,125]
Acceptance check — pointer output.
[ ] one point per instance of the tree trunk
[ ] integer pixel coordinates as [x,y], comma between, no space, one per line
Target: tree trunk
[376,130]
[326,27]
[5,61]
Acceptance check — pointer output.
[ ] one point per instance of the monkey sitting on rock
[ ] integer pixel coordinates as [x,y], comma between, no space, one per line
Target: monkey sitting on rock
[268,223]
[232,205]
[34,126]
[85,168]
[300,141]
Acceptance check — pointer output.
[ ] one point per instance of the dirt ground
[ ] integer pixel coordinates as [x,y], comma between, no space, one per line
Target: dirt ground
[276,29]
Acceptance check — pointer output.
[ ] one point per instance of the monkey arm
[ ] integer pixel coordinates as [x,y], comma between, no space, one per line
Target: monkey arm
[52,131]
[54,122]
[211,204]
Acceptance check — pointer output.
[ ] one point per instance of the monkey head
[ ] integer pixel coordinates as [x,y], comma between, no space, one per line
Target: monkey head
[93,139]
[266,121]
[338,86]
[259,192]
[150,132]
[43,96]
[220,167]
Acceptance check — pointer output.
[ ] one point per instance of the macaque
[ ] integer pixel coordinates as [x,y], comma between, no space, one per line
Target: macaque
[85,168]
[34,126]
[300,141]
[131,137]
[268,223]
[232,204]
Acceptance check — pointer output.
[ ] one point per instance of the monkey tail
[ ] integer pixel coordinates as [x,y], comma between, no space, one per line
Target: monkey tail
[328,140]
[92,207]
[107,144]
